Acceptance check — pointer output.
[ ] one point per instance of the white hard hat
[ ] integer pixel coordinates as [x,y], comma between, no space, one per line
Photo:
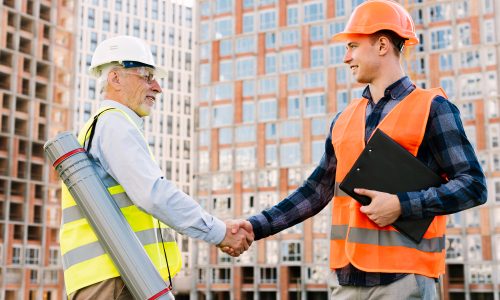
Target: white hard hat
[126,50]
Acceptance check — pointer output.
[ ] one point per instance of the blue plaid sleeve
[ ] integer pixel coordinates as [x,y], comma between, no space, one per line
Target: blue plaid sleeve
[305,202]
[447,150]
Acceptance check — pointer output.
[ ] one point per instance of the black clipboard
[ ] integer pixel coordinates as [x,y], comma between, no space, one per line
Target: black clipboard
[386,166]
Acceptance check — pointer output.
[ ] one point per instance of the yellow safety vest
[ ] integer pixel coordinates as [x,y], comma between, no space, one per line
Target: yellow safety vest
[85,261]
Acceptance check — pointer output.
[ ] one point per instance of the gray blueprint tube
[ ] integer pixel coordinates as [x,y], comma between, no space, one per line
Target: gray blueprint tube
[114,233]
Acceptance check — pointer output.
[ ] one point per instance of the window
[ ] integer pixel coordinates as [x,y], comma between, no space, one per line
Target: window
[489,31]
[474,248]
[290,129]
[441,38]
[245,158]
[448,85]
[268,275]
[222,115]
[341,77]
[247,3]
[203,120]
[470,59]
[223,91]
[440,12]
[91,18]
[54,258]
[245,134]
[293,107]
[487,6]
[290,61]
[17,255]
[319,126]
[270,131]
[225,136]
[225,70]
[221,275]
[223,28]
[267,19]
[313,12]
[342,100]
[204,137]
[454,248]
[245,44]
[470,86]
[314,79]
[293,82]
[336,27]
[248,112]
[267,110]
[290,37]
[204,73]
[203,161]
[464,35]
[271,156]
[248,23]
[223,6]
[463,9]
[225,159]
[106,21]
[225,48]
[337,53]
[317,57]
[340,8]
[446,61]
[248,88]
[318,149]
[290,154]
[268,86]
[292,15]
[480,274]
[245,67]
[270,40]
[291,251]
[314,105]
[270,63]
[316,33]
[205,31]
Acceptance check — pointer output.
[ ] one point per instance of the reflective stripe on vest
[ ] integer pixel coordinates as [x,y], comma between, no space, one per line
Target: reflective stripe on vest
[355,238]
[85,261]
[385,238]
[92,250]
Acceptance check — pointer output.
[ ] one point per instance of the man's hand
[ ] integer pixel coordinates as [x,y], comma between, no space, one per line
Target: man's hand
[384,208]
[239,237]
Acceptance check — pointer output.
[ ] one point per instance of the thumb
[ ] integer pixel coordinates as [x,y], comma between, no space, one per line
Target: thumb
[234,227]
[365,192]
[246,225]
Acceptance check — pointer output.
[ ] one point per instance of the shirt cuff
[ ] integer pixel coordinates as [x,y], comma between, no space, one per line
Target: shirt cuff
[261,226]
[411,206]
[217,233]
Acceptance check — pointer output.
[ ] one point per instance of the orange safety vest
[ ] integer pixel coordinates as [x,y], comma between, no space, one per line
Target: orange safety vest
[355,238]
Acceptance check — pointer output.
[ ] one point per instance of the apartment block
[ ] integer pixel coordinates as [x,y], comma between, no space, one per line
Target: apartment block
[269,82]
[167,26]
[36,80]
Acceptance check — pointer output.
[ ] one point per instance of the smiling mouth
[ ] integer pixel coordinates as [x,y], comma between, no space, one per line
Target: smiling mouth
[151,99]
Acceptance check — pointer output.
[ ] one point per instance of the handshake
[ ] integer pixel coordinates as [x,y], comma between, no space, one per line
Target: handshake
[239,237]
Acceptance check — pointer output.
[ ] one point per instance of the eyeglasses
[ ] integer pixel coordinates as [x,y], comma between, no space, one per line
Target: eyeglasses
[147,76]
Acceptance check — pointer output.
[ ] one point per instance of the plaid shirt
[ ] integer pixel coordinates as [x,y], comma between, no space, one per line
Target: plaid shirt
[445,149]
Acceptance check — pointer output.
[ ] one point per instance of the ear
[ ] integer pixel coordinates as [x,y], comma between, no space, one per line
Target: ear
[384,45]
[114,80]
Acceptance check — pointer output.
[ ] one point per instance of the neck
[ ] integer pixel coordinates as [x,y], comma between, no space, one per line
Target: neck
[391,75]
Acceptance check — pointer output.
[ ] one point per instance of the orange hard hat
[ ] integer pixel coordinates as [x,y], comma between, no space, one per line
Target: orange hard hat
[375,15]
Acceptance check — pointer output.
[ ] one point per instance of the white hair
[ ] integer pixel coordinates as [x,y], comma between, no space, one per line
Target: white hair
[102,80]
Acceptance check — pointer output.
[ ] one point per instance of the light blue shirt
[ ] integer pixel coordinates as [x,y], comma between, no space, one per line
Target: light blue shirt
[120,151]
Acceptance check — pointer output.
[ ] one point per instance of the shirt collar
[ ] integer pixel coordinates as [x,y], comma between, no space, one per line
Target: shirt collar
[137,120]
[394,91]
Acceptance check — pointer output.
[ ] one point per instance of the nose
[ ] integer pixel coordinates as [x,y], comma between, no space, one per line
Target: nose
[347,57]
[155,86]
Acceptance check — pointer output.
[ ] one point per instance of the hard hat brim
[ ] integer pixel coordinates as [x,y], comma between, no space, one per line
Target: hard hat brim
[343,36]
